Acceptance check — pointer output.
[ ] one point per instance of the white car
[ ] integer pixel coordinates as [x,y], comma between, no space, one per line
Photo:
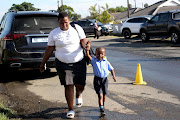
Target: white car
[131,26]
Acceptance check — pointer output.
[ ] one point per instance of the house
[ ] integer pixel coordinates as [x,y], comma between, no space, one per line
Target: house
[164,5]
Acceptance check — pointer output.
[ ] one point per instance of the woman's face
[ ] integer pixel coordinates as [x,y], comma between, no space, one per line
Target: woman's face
[64,23]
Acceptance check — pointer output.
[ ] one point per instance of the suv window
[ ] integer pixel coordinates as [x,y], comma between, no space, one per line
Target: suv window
[163,17]
[143,20]
[132,20]
[155,19]
[176,16]
[34,23]
[137,20]
[88,23]
[3,23]
[81,23]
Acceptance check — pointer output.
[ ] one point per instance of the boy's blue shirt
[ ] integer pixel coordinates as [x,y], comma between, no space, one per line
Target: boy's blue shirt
[101,68]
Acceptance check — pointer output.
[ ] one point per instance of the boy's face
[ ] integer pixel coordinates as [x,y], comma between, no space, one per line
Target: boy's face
[100,53]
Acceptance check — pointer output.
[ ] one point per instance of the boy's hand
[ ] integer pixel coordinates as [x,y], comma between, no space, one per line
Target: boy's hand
[113,74]
[114,79]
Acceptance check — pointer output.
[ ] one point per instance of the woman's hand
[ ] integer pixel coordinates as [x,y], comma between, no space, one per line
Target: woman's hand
[88,46]
[42,68]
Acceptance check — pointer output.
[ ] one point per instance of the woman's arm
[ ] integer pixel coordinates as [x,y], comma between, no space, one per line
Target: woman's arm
[83,43]
[47,55]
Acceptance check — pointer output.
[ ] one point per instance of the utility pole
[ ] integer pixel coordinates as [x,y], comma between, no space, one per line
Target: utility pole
[128,7]
[62,5]
[58,4]
[135,3]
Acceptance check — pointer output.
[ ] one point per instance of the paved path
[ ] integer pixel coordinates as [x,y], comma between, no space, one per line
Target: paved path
[125,101]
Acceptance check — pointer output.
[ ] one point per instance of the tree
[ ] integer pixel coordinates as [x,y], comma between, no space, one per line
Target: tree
[112,10]
[24,7]
[94,12]
[130,6]
[105,16]
[102,14]
[146,5]
[73,16]
[121,9]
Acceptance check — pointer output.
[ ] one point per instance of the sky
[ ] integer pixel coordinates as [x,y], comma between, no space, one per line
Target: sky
[80,6]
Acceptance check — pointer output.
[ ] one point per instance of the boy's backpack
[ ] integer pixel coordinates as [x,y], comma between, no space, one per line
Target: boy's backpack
[84,51]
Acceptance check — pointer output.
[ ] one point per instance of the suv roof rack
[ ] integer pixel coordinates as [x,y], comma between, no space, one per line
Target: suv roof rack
[54,11]
[13,11]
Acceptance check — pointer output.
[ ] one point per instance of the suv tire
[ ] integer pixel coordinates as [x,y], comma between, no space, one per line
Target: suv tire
[144,36]
[127,33]
[174,37]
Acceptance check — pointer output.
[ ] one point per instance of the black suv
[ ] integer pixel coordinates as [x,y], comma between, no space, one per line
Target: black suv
[88,26]
[23,38]
[165,24]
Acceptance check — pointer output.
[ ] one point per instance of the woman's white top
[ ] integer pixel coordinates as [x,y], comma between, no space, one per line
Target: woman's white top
[67,43]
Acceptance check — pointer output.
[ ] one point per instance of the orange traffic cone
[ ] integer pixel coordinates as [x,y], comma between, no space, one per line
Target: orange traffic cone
[139,77]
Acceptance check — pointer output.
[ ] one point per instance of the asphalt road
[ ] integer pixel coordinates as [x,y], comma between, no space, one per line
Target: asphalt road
[159,60]
[38,97]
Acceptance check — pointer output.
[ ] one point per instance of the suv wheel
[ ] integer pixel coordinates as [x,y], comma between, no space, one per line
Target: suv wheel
[144,36]
[174,37]
[127,33]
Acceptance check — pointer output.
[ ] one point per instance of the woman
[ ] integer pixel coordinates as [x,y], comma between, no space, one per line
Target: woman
[70,63]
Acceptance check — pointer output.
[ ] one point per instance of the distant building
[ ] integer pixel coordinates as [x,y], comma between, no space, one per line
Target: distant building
[164,5]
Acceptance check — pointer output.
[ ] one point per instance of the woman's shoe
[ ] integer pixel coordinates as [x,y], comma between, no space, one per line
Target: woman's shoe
[70,114]
[79,102]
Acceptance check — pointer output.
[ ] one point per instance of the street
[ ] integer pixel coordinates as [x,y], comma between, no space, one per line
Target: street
[38,96]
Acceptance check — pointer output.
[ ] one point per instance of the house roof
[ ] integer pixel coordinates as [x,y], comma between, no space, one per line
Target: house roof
[151,10]
[168,8]
[121,15]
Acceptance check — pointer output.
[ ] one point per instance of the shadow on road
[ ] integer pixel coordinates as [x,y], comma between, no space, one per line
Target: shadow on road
[9,75]
[49,113]
[135,42]
[85,113]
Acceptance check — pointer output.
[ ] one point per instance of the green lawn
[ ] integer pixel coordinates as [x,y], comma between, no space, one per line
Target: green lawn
[6,113]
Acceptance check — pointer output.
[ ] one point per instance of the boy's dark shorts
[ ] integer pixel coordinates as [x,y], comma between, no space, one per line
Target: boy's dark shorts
[101,85]
[71,73]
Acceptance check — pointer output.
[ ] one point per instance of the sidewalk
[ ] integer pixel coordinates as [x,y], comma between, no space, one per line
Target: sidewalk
[124,98]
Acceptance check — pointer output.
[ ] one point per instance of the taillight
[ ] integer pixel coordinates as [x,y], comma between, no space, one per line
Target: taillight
[13,36]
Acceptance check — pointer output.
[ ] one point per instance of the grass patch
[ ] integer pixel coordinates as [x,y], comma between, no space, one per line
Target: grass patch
[6,113]
[3,117]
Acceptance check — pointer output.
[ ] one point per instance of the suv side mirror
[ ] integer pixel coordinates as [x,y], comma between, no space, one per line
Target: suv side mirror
[150,21]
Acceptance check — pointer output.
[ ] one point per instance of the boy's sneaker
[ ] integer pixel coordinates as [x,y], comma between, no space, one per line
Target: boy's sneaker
[102,111]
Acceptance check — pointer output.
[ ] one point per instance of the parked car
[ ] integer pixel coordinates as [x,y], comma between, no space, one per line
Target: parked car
[165,24]
[131,26]
[23,38]
[88,26]
[107,29]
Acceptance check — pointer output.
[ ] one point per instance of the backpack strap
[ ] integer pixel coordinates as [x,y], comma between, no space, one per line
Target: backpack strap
[74,26]
[90,51]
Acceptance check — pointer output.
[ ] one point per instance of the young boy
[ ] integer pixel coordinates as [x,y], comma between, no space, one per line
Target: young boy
[101,68]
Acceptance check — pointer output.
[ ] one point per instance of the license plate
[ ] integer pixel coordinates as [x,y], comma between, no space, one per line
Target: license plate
[42,39]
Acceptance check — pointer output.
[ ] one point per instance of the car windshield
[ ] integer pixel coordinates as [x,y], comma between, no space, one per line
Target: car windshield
[34,24]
